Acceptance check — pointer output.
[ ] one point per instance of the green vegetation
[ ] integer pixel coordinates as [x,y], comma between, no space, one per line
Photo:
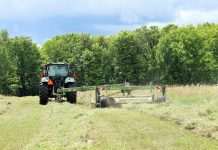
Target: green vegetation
[171,55]
[20,63]
[26,125]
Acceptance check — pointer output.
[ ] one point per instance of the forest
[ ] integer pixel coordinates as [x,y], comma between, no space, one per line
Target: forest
[172,55]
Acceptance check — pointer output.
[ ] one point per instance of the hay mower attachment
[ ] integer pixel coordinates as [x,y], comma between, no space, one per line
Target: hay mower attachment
[112,100]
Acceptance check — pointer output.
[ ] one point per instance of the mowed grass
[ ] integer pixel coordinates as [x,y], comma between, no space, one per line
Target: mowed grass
[24,124]
[195,108]
[19,122]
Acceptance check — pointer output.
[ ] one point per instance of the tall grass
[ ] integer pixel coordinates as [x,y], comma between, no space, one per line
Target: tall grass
[192,94]
[193,107]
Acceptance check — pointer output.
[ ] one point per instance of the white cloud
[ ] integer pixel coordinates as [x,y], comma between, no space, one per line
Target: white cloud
[131,14]
[184,17]
[195,16]
[129,11]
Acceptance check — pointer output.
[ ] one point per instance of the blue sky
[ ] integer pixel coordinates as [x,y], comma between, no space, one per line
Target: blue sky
[43,19]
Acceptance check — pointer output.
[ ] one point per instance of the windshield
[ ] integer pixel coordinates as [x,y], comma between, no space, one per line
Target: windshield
[58,70]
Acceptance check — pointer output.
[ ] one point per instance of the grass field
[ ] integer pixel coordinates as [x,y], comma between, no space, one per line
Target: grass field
[187,121]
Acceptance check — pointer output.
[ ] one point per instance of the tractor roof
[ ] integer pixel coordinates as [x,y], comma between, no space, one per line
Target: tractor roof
[57,63]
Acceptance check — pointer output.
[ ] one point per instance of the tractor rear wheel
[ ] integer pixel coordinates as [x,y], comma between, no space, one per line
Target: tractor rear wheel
[71,96]
[43,94]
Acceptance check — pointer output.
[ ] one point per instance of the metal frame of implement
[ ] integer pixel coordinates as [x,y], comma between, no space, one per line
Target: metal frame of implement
[125,88]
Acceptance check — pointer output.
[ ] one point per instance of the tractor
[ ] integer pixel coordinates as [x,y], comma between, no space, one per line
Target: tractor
[57,76]
[58,81]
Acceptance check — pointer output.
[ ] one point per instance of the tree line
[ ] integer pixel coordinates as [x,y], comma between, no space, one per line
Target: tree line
[19,67]
[168,55]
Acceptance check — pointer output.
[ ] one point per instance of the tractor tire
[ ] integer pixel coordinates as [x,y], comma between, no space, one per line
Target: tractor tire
[43,94]
[104,102]
[71,96]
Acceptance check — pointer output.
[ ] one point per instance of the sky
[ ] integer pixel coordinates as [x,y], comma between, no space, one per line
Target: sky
[44,19]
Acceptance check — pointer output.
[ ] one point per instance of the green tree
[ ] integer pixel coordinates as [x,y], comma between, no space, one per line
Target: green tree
[125,54]
[146,40]
[27,58]
[180,56]
[8,77]
[209,35]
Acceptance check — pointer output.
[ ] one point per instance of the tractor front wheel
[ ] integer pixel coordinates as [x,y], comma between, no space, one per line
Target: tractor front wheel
[43,94]
[71,96]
